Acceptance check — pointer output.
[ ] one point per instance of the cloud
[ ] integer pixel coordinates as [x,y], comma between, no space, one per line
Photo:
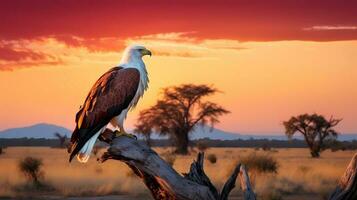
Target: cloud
[19,54]
[10,54]
[330,28]
[58,50]
[173,36]
[92,44]
[52,51]
[185,45]
[224,44]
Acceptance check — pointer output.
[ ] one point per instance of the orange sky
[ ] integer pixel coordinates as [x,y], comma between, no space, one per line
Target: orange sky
[265,78]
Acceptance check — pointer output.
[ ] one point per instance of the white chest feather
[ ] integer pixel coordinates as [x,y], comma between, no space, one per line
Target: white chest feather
[142,87]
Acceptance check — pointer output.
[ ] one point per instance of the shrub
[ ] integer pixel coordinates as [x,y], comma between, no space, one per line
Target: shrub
[202,145]
[212,158]
[32,168]
[1,150]
[260,163]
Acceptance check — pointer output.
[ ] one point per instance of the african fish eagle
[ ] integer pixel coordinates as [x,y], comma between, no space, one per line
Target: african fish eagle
[108,102]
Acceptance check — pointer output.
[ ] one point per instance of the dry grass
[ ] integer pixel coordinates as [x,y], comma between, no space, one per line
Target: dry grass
[298,174]
[260,163]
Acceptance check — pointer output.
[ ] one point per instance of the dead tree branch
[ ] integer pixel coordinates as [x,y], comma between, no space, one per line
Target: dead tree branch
[163,181]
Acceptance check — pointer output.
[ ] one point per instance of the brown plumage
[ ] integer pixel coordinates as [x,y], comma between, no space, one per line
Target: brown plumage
[111,94]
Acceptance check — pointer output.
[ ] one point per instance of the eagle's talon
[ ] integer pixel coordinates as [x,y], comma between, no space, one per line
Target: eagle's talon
[123,133]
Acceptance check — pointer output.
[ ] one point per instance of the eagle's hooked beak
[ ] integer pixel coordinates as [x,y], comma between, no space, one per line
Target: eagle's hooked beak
[145,52]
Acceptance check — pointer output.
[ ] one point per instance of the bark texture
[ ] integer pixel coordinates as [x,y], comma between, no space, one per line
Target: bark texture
[163,181]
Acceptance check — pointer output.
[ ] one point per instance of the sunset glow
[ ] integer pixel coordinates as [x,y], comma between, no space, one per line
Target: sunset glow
[270,63]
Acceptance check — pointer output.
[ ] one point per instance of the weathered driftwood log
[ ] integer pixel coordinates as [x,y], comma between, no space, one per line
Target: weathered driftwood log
[163,181]
[347,187]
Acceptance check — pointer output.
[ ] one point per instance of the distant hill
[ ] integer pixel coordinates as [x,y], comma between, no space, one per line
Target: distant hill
[44,130]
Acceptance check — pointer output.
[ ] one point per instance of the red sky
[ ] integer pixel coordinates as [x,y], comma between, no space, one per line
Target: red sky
[243,20]
[263,42]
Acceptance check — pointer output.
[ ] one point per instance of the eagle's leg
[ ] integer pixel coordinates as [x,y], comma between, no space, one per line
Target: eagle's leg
[122,132]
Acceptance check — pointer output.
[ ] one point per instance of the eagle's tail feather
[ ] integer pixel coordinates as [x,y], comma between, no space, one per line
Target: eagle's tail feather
[85,152]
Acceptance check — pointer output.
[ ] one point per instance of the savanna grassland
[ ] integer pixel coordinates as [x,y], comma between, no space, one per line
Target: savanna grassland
[298,176]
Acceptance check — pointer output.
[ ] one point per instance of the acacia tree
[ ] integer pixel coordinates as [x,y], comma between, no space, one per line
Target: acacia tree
[315,128]
[180,110]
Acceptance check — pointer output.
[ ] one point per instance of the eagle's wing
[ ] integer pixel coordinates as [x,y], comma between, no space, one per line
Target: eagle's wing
[111,94]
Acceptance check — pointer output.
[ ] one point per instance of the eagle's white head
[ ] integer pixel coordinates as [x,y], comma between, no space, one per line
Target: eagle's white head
[133,55]
[133,58]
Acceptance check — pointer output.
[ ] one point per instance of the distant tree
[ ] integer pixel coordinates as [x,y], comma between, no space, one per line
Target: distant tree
[180,110]
[62,139]
[315,129]
[31,168]
[144,124]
